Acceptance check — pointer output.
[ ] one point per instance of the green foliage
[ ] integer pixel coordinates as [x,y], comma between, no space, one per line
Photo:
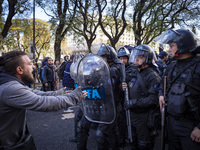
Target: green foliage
[21,32]
[152,17]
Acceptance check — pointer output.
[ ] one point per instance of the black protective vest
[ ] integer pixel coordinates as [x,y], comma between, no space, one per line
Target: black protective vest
[146,91]
[180,75]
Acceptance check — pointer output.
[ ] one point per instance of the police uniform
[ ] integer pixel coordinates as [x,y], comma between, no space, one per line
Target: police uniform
[104,131]
[121,120]
[181,119]
[182,91]
[141,104]
[143,89]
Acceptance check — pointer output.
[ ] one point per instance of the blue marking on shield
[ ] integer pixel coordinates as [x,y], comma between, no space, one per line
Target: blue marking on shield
[95,93]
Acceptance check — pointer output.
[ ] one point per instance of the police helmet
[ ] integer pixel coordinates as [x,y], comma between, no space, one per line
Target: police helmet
[107,51]
[130,47]
[185,39]
[123,51]
[144,51]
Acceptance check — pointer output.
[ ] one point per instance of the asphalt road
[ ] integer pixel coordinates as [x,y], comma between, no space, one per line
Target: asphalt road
[52,130]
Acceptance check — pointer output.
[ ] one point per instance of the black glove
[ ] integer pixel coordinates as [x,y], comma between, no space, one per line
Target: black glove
[130,103]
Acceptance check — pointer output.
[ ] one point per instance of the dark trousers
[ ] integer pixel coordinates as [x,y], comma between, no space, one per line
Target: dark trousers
[179,130]
[50,87]
[141,134]
[105,135]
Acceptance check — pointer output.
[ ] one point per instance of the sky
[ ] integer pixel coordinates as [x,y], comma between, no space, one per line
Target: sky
[39,14]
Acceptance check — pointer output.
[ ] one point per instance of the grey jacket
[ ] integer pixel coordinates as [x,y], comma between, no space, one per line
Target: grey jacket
[15,99]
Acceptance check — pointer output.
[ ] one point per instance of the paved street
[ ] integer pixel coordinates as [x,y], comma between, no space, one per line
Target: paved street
[51,131]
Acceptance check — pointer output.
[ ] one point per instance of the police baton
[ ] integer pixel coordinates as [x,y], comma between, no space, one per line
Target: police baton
[163,118]
[128,118]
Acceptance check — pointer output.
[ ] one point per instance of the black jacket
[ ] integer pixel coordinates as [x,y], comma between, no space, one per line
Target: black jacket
[48,74]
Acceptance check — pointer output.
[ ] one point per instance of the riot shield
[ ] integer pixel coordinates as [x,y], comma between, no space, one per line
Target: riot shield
[93,75]
[73,67]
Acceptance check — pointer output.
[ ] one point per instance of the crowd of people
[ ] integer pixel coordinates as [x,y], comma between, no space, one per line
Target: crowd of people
[137,70]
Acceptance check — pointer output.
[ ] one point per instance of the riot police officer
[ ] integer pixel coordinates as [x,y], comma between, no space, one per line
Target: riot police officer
[104,131]
[123,54]
[142,83]
[182,90]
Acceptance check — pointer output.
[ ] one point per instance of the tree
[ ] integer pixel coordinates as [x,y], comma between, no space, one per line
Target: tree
[20,34]
[14,7]
[113,23]
[151,17]
[86,21]
[62,13]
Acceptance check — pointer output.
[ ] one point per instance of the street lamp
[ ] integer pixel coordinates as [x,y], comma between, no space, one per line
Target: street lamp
[34,29]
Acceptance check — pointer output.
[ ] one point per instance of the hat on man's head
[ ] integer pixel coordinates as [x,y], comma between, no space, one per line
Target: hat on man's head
[162,54]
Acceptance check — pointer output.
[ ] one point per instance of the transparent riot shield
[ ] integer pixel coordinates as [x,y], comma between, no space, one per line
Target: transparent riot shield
[93,76]
[73,67]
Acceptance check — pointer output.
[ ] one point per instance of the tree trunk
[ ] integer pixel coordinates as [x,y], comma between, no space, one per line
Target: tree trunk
[57,49]
[89,43]
[8,22]
[113,43]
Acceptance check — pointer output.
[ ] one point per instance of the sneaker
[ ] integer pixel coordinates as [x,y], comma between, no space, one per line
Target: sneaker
[73,139]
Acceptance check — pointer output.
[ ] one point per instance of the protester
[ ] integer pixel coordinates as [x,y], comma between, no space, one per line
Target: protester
[40,72]
[182,90]
[68,82]
[49,76]
[142,83]
[35,72]
[56,67]
[15,98]
[61,69]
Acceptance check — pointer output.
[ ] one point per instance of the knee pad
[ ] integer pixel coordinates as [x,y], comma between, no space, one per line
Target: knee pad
[100,136]
[83,127]
[145,145]
[102,141]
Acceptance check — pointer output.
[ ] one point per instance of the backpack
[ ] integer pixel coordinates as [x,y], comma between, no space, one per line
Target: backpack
[61,70]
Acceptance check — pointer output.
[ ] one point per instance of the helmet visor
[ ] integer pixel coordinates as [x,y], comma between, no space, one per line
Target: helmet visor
[138,57]
[169,36]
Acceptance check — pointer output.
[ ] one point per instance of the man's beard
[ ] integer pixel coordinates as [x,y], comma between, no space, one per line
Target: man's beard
[27,79]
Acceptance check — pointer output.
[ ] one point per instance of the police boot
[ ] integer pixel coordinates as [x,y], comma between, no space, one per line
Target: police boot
[82,138]
[102,141]
[74,139]
[82,141]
